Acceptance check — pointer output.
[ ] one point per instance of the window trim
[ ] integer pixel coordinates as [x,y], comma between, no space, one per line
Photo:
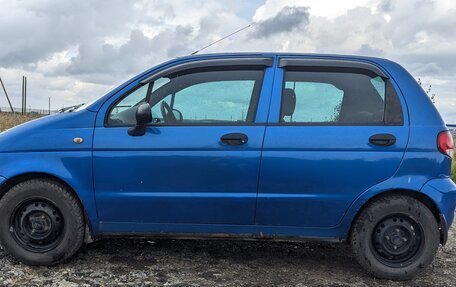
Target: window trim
[334,66]
[232,65]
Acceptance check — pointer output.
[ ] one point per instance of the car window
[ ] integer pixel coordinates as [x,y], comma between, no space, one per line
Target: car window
[220,101]
[132,100]
[379,85]
[201,97]
[332,97]
[315,102]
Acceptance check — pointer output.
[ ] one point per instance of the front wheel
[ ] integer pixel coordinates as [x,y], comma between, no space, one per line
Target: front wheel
[395,237]
[41,222]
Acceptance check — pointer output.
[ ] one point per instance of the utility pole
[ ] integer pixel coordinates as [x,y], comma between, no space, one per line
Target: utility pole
[24,95]
[49,105]
[6,94]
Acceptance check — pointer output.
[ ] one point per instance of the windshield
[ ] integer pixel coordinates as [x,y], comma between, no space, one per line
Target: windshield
[87,105]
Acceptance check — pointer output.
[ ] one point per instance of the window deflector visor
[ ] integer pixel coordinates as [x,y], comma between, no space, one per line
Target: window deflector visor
[323,64]
[250,63]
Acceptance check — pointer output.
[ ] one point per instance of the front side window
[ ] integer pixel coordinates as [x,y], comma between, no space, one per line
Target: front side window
[332,97]
[197,97]
[132,100]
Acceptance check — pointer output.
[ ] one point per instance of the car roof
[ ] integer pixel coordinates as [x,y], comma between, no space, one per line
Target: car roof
[280,54]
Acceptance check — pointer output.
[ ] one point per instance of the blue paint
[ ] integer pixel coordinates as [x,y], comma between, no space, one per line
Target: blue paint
[300,181]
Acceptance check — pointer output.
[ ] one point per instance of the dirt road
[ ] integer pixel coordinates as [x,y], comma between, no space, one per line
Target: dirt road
[137,262]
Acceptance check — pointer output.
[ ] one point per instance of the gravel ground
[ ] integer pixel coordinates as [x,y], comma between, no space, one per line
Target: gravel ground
[114,262]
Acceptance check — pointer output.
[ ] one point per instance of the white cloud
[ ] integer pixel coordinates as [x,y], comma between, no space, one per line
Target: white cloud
[323,8]
[73,51]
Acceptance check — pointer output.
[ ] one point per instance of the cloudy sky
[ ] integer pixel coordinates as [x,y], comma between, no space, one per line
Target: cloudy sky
[76,50]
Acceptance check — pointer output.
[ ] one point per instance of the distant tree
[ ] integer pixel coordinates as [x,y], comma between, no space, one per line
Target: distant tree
[428,91]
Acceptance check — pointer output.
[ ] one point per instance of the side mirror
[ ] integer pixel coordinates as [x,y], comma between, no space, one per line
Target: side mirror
[143,117]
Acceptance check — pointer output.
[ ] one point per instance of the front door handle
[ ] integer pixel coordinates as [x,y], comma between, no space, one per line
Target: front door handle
[382,139]
[234,139]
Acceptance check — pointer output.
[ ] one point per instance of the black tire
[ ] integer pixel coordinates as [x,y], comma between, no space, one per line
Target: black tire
[395,237]
[41,222]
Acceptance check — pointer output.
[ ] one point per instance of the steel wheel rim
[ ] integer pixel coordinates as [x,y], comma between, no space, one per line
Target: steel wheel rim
[37,225]
[396,240]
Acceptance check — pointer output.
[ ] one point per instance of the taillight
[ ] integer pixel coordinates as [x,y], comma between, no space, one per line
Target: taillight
[445,143]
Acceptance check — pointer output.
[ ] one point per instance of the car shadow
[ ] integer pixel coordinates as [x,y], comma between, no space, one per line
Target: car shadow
[179,263]
[273,262]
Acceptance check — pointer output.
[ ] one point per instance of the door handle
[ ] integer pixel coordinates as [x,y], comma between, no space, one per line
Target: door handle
[382,139]
[234,139]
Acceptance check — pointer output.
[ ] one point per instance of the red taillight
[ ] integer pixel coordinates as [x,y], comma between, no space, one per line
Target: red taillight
[445,143]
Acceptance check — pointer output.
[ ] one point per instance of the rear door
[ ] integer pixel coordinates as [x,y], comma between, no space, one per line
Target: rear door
[336,128]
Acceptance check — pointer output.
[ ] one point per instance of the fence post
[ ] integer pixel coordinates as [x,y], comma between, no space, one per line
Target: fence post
[6,94]
[25,94]
[22,93]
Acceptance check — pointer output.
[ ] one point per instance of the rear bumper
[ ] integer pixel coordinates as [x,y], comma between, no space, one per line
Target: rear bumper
[443,193]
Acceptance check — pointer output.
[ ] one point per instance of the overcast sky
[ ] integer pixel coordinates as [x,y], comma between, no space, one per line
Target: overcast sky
[74,50]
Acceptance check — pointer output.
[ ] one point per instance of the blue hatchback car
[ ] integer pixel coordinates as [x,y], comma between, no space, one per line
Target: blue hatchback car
[257,145]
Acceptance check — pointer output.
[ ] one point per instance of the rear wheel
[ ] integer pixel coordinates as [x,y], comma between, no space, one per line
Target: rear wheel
[41,222]
[395,237]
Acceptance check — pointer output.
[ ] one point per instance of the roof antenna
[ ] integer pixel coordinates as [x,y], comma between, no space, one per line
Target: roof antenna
[223,38]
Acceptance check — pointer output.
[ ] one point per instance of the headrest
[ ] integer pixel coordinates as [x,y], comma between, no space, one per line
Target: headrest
[288,102]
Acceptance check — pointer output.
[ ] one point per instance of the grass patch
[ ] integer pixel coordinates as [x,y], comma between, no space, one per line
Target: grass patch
[453,165]
[9,120]
[453,170]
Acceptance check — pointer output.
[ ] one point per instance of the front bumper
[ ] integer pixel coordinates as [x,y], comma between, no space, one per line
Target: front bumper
[443,192]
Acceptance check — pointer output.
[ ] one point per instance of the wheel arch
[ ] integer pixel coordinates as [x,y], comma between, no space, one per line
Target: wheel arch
[421,197]
[11,182]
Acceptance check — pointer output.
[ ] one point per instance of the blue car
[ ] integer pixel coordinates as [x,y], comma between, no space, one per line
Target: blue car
[254,145]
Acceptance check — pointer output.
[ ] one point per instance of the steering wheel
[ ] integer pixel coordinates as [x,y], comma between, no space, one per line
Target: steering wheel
[167,113]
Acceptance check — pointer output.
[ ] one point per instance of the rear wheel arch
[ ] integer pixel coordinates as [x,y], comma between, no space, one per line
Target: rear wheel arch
[421,197]
[395,237]
[13,181]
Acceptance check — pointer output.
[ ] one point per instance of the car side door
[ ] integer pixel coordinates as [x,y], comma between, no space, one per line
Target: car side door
[198,162]
[336,129]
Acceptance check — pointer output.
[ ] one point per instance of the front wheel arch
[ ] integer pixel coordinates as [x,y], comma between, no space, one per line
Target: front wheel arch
[11,182]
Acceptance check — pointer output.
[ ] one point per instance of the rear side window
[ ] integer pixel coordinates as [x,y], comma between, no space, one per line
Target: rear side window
[333,98]
[315,102]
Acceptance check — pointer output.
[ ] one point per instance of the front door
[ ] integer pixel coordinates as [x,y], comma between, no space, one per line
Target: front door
[199,160]
[336,129]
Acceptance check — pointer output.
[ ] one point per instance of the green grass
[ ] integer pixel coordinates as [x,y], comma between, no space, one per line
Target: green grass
[453,170]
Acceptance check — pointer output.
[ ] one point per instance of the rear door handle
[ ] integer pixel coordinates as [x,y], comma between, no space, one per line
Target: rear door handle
[234,139]
[382,139]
